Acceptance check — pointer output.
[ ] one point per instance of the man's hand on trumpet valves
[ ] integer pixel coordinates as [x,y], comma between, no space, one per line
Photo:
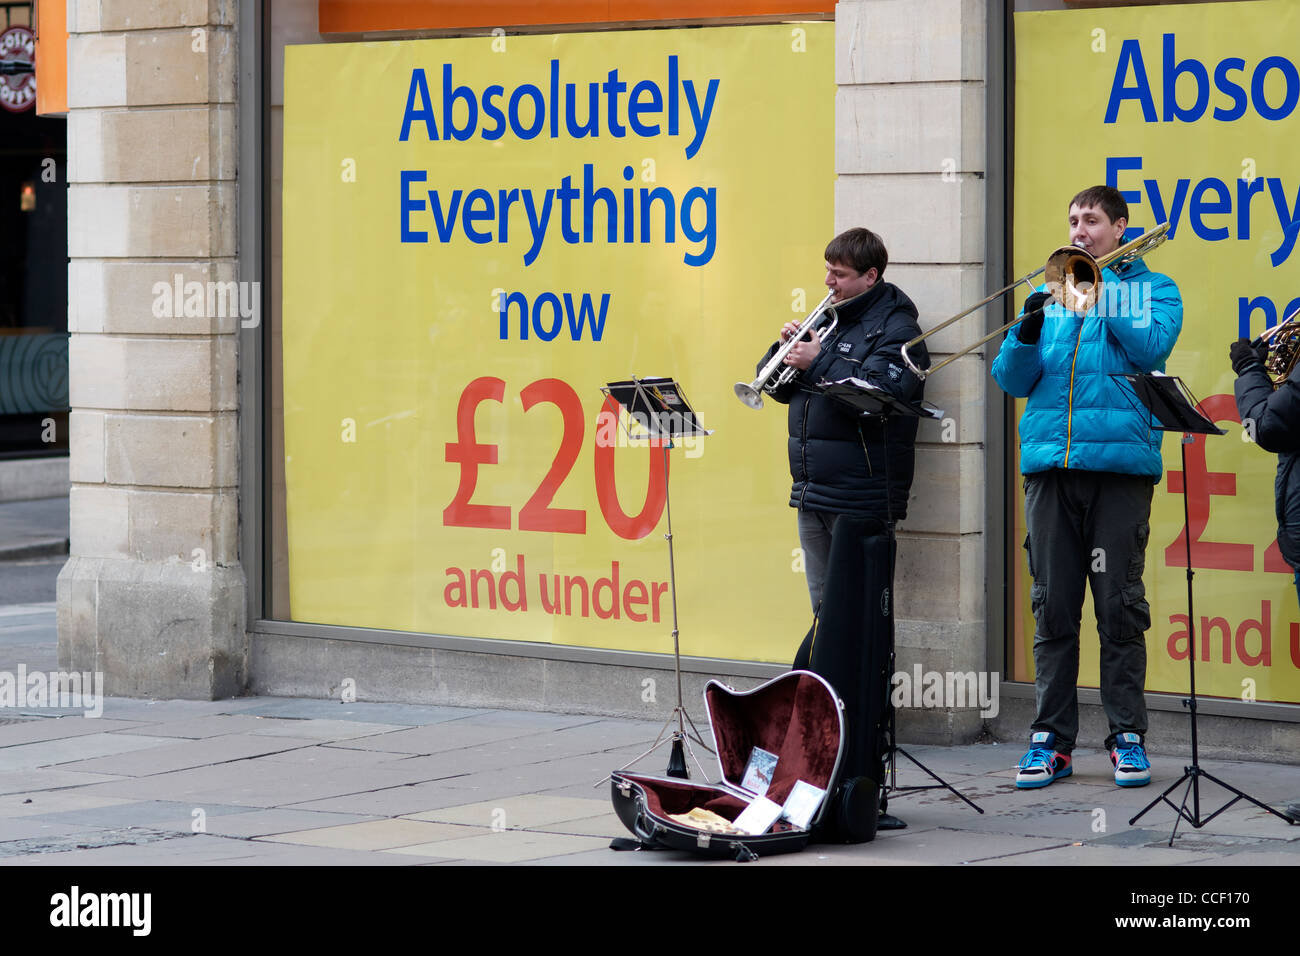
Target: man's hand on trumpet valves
[802,355]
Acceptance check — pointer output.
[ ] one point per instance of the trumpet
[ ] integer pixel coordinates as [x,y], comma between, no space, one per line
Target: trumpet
[775,373]
[1073,276]
[1283,341]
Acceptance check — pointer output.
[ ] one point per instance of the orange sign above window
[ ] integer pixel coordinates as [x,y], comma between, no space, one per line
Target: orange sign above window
[370,16]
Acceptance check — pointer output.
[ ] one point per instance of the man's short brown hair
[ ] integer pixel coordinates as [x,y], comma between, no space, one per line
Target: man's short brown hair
[1105,198]
[859,249]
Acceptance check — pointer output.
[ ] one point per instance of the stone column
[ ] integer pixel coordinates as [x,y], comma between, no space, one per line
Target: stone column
[910,154]
[153,595]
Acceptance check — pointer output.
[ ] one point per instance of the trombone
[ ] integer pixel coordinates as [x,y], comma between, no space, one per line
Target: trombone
[772,376]
[1071,274]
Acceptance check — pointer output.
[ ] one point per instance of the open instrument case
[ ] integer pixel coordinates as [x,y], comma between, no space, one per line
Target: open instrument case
[797,716]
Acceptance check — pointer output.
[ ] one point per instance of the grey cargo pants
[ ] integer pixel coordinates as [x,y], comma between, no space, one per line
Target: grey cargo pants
[1088,526]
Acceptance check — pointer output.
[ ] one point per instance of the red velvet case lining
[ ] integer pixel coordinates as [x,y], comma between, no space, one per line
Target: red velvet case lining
[795,717]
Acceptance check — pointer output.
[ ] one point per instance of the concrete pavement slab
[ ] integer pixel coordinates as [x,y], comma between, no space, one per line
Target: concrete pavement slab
[288,854]
[460,763]
[319,728]
[538,721]
[1251,857]
[200,850]
[257,783]
[605,825]
[28,631]
[604,856]
[441,737]
[196,728]
[18,615]
[166,754]
[945,846]
[405,715]
[127,708]
[42,656]
[593,738]
[527,811]
[38,729]
[33,827]
[247,823]
[505,846]
[1091,854]
[402,800]
[26,608]
[88,839]
[372,835]
[141,813]
[22,783]
[32,802]
[332,757]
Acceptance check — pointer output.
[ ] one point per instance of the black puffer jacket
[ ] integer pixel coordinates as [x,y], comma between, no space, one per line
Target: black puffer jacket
[1276,415]
[842,463]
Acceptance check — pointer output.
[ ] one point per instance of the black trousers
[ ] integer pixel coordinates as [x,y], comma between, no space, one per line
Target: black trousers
[1088,526]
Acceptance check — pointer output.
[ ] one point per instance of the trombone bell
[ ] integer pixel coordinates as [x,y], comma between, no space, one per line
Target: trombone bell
[1073,279]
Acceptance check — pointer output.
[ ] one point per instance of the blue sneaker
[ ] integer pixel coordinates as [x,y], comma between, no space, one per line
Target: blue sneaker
[1041,764]
[1132,768]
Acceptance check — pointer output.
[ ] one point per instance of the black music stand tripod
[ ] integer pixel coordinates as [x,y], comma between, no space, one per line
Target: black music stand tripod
[659,411]
[871,400]
[1171,407]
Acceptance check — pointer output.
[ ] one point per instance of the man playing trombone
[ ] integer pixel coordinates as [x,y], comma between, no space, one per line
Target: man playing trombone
[1090,464]
[842,463]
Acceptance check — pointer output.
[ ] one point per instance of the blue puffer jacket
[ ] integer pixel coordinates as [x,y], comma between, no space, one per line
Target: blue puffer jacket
[1077,416]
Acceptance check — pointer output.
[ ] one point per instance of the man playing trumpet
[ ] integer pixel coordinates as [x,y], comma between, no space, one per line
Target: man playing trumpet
[842,463]
[1090,463]
[1274,417]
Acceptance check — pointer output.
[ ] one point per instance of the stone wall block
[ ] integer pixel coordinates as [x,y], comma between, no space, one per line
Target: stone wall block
[86,440]
[154,14]
[940,578]
[158,298]
[96,73]
[958,390]
[151,221]
[168,527]
[177,67]
[905,41]
[184,144]
[172,451]
[947,496]
[154,630]
[910,128]
[152,374]
[98,519]
[923,218]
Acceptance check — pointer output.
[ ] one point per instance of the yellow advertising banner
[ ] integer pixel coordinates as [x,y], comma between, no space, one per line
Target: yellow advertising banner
[478,234]
[1192,113]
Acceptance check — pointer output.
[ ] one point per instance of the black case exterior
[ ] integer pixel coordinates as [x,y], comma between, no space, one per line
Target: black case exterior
[629,791]
[849,645]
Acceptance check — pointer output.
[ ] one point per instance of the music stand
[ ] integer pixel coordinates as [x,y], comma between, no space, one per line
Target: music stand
[871,400]
[1171,407]
[659,409]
